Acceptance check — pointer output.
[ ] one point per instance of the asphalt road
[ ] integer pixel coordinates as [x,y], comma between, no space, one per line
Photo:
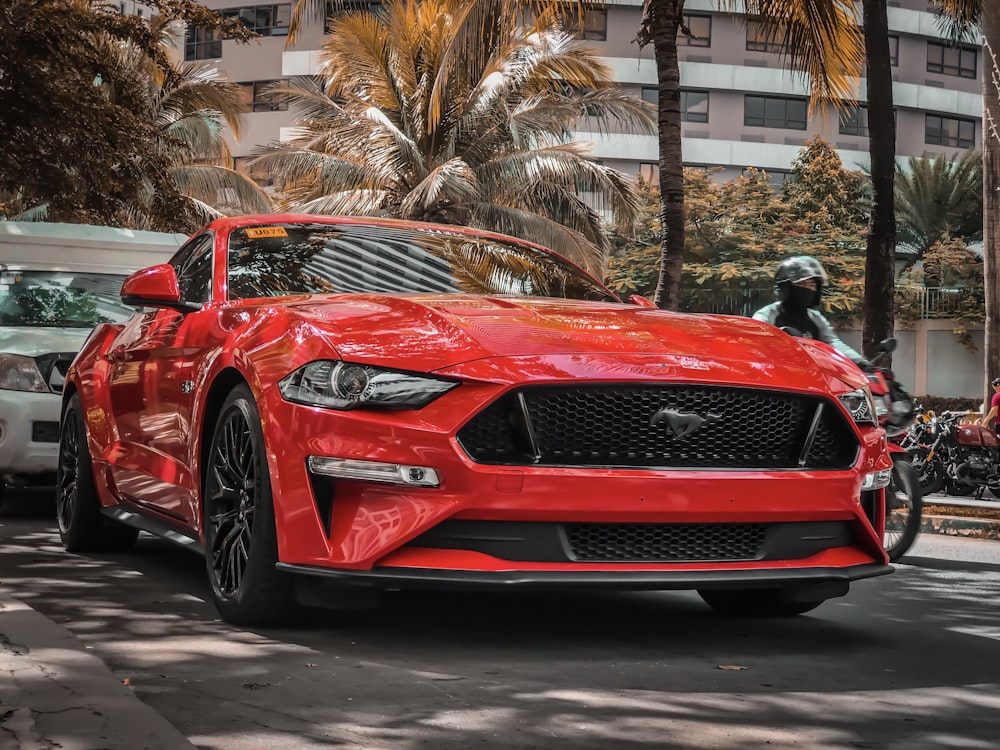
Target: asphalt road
[910,660]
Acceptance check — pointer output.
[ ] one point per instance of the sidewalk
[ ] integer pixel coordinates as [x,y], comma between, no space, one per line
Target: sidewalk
[961,516]
[55,694]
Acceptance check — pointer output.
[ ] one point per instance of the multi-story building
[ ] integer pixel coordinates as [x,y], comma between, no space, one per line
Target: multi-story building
[740,107]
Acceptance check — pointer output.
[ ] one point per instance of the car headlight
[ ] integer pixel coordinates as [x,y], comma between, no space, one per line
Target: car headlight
[860,405]
[19,373]
[341,385]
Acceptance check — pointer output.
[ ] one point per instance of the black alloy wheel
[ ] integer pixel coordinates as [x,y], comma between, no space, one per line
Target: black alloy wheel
[82,527]
[240,537]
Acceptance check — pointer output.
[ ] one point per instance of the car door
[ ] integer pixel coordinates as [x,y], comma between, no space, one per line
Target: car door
[153,370]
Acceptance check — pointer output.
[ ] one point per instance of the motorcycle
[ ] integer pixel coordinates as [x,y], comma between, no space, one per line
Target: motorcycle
[953,454]
[926,442]
[896,412]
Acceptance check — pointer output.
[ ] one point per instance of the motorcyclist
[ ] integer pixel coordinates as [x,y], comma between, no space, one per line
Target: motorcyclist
[798,287]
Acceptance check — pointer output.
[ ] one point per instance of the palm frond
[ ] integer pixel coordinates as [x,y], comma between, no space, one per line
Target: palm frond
[823,40]
[222,188]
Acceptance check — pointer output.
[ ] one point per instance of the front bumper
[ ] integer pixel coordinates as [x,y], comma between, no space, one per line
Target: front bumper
[661,580]
[29,432]
[368,531]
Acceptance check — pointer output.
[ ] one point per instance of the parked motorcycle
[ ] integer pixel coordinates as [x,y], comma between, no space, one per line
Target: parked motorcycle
[896,411]
[952,454]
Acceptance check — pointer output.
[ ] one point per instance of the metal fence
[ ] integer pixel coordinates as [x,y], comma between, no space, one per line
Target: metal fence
[930,302]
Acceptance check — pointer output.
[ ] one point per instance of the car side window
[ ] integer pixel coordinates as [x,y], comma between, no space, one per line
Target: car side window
[193,266]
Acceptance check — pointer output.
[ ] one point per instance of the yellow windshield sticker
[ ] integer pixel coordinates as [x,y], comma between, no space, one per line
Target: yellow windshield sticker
[256,233]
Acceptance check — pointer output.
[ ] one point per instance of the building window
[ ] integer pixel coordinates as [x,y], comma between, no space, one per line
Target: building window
[258,98]
[700,28]
[651,94]
[894,50]
[775,177]
[266,20]
[649,172]
[952,61]
[775,112]
[202,44]
[694,106]
[950,131]
[594,24]
[762,39]
[854,121]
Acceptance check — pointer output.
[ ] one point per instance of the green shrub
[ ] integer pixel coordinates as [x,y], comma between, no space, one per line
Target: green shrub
[949,403]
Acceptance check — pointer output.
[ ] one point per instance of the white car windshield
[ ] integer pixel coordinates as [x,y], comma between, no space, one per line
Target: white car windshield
[61,299]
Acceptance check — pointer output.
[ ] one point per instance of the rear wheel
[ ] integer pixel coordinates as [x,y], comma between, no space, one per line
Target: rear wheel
[82,527]
[757,602]
[240,536]
[903,509]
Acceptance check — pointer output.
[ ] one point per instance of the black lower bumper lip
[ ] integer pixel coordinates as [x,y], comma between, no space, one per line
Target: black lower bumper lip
[625,580]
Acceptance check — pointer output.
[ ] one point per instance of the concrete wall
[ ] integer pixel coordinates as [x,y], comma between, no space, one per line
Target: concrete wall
[930,361]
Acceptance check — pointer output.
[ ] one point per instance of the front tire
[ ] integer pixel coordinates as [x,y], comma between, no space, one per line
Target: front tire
[82,527]
[904,507]
[241,546]
[756,602]
[933,474]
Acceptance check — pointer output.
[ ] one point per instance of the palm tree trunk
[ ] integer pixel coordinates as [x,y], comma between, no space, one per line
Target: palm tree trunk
[880,260]
[991,190]
[662,19]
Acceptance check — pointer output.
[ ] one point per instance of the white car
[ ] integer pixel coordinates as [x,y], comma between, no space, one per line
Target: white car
[57,282]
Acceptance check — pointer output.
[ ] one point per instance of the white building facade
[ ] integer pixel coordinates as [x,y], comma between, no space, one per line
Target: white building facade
[740,107]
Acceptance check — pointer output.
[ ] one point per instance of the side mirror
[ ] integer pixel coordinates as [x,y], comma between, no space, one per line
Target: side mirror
[155,286]
[887,345]
[638,299]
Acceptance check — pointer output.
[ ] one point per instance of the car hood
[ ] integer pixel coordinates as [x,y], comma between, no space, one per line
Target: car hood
[32,341]
[437,333]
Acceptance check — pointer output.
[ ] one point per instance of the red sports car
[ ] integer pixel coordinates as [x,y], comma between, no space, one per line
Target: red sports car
[324,403]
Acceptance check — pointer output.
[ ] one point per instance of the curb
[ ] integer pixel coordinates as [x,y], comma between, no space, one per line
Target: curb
[54,693]
[971,528]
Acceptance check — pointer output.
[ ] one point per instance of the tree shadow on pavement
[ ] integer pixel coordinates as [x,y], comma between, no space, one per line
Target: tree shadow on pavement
[904,661]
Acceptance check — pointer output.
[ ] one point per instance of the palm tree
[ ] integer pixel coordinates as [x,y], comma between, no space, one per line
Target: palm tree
[821,41]
[939,199]
[459,111]
[189,105]
[880,252]
[961,17]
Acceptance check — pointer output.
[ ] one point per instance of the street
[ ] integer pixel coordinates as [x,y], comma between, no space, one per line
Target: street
[908,660]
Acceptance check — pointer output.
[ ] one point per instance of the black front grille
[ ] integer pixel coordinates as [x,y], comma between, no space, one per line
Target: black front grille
[649,426]
[45,432]
[621,542]
[638,542]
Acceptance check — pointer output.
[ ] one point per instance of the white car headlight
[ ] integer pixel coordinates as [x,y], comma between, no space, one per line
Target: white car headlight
[341,385]
[19,373]
[860,405]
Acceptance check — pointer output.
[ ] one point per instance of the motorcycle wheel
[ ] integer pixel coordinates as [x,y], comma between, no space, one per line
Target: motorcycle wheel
[932,474]
[904,510]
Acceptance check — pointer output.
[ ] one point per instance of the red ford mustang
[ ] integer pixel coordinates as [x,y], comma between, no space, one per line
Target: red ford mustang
[321,404]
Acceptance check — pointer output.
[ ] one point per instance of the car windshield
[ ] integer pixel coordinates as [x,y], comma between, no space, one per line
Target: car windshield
[60,299]
[283,259]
